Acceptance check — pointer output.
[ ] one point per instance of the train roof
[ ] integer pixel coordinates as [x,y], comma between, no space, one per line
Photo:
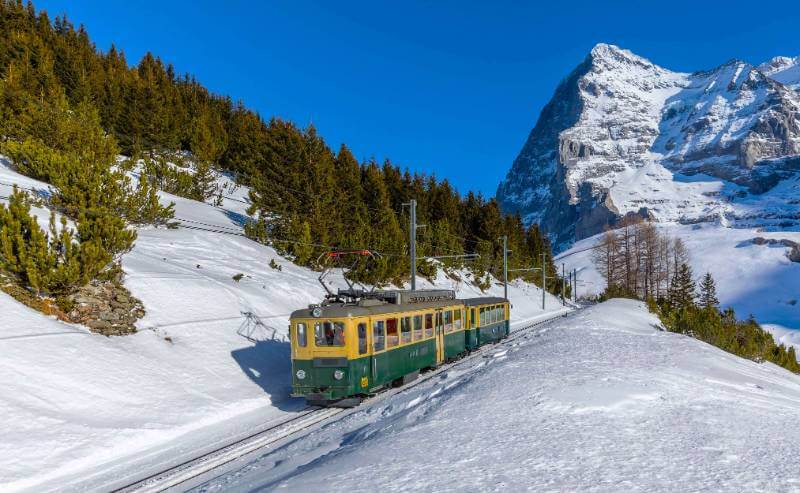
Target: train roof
[486,300]
[371,307]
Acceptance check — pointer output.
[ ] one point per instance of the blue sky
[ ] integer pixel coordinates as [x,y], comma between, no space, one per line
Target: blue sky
[446,87]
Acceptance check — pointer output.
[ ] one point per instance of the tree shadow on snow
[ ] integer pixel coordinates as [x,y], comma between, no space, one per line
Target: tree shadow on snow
[268,364]
[239,219]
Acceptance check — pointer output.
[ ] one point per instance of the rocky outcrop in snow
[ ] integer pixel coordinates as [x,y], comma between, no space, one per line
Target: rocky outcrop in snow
[623,136]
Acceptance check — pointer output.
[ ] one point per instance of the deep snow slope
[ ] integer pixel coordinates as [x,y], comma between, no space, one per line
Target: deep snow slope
[599,401]
[80,411]
[753,279]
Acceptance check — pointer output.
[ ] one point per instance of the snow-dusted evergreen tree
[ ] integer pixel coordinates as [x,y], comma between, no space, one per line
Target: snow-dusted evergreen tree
[708,292]
[682,289]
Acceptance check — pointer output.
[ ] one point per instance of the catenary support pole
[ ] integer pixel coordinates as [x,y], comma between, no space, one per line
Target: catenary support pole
[412,233]
[571,285]
[563,285]
[505,266]
[544,278]
[575,280]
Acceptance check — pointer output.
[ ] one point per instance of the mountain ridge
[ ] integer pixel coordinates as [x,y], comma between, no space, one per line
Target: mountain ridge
[623,135]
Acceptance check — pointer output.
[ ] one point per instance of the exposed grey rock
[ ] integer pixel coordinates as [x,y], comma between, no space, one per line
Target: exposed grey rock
[106,308]
[794,248]
[618,114]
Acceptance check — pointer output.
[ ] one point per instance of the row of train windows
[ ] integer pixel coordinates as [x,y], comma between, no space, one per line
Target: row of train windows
[492,314]
[385,333]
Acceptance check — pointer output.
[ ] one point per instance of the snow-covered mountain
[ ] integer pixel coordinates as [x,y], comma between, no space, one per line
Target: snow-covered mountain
[623,136]
[783,69]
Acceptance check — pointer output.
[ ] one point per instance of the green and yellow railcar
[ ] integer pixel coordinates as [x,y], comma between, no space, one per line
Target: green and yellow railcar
[487,321]
[342,351]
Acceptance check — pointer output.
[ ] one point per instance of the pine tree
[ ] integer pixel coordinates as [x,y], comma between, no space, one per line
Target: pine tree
[300,244]
[708,292]
[45,265]
[682,289]
[204,182]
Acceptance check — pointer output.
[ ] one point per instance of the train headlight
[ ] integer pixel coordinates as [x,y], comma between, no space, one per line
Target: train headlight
[338,374]
[300,374]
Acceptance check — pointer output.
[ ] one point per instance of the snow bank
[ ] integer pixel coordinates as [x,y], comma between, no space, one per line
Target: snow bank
[753,279]
[601,401]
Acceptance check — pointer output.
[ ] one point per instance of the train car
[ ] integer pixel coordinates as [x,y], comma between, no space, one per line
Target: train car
[352,346]
[487,321]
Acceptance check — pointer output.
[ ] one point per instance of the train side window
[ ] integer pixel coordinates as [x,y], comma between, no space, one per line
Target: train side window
[378,334]
[428,325]
[492,315]
[392,336]
[483,317]
[496,314]
[329,334]
[473,322]
[302,337]
[448,321]
[405,329]
[362,338]
[417,327]
[457,320]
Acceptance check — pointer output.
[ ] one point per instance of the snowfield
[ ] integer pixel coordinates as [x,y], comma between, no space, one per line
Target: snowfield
[599,401]
[85,412]
[753,279]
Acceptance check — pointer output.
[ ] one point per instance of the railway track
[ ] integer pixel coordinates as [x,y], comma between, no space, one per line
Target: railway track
[183,476]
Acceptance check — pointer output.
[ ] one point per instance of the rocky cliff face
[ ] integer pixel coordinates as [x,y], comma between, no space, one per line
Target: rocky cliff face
[624,136]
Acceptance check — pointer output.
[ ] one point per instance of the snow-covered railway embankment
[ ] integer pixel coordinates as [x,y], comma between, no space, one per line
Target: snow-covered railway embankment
[204,467]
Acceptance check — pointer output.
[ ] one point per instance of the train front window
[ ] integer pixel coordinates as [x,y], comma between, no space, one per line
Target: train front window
[378,335]
[428,325]
[329,334]
[448,321]
[302,337]
[457,320]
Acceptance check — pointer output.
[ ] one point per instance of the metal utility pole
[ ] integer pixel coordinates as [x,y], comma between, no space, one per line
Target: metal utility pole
[544,278]
[575,285]
[563,284]
[571,285]
[505,266]
[412,242]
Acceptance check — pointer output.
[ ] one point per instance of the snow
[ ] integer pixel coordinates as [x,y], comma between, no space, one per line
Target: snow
[600,401]
[783,69]
[651,133]
[82,411]
[753,279]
